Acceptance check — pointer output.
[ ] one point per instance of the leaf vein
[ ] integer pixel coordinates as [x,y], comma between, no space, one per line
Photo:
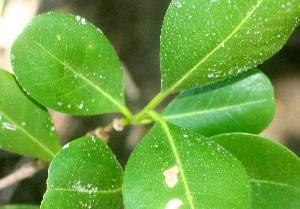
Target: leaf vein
[168,117]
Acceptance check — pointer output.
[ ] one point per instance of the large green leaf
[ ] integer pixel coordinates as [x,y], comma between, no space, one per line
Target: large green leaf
[84,174]
[20,207]
[274,170]
[205,41]
[208,175]
[244,103]
[67,64]
[27,128]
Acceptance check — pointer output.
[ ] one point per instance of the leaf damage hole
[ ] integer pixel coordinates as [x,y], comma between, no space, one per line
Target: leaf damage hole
[174,204]
[171,177]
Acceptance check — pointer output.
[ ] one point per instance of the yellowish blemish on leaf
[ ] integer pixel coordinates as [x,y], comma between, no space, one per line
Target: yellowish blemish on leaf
[171,178]
[174,204]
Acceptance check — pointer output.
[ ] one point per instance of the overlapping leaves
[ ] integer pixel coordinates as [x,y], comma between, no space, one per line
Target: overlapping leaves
[208,175]
[27,128]
[274,170]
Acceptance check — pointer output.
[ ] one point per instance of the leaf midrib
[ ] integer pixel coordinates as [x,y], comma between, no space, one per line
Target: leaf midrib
[165,126]
[211,110]
[274,183]
[109,97]
[214,50]
[86,190]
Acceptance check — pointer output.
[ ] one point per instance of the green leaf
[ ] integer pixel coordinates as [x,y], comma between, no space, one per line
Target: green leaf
[207,41]
[85,174]
[273,169]
[208,175]
[20,207]
[67,64]
[27,128]
[244,103]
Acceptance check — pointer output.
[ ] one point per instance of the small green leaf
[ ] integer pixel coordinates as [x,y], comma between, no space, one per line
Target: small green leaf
[68,65]
[244,103]
[208,175]
[274,170]
[20,207]
[84,174]
[207,41]
[26,126]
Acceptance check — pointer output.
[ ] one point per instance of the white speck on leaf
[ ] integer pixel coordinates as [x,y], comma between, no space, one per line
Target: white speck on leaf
[9,126]
[174,204]
[89,189]
[80,106]
[23,123]
[52,128]
[177,4]
[65,146]
[171,177]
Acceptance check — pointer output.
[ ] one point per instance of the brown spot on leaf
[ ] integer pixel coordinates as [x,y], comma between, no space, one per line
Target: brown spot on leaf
[174,204]
[171,178]
[90,46]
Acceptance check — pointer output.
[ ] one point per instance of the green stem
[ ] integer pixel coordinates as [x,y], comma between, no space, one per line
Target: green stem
[127,113]
[157,117]
[151,105]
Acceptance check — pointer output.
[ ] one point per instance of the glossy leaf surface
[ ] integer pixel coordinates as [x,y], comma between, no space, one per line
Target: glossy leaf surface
[208,175]
[274,170]
[26,126]
[67,64]
[85,174]
[244,103]
[20,207]
[207,41]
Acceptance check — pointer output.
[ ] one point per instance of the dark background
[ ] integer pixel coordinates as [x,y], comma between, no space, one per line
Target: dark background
[133,27]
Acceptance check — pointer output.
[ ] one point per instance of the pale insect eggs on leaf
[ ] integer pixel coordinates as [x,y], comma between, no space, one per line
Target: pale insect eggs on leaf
[9,126]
